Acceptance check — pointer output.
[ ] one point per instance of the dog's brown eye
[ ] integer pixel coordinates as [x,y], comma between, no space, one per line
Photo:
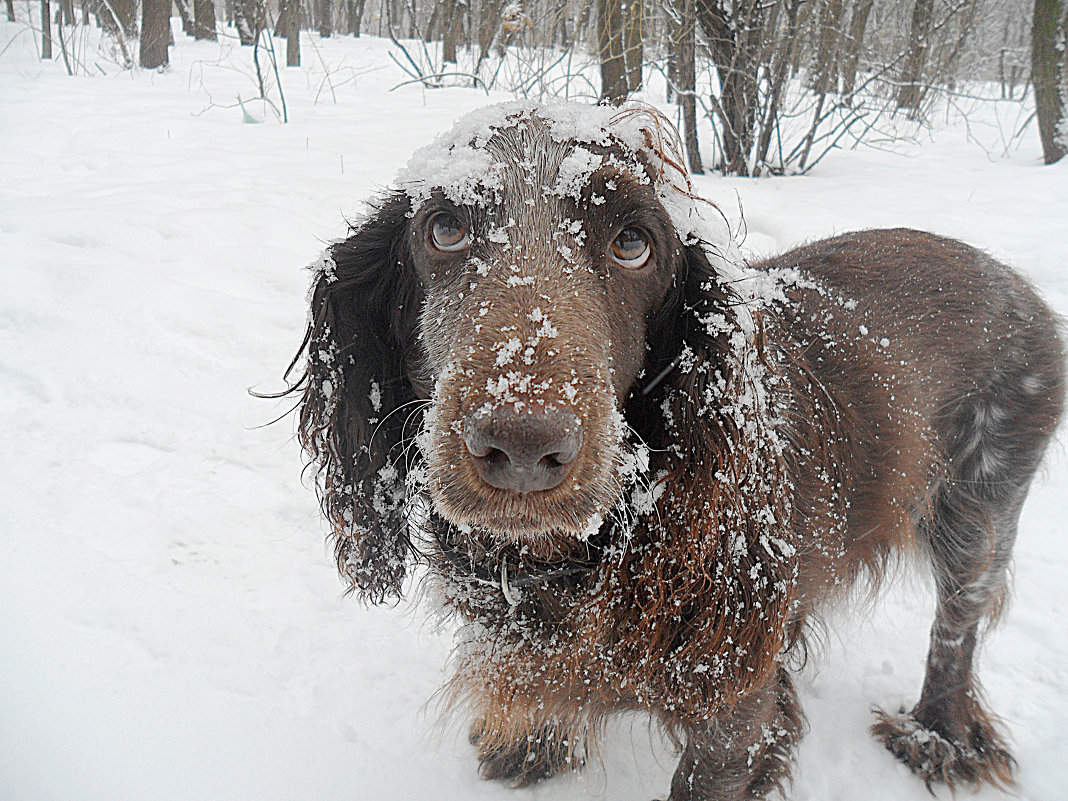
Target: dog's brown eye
[631,248]
[448,233]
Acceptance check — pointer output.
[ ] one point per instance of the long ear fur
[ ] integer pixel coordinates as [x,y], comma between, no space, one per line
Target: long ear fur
[359,347]
[714,579]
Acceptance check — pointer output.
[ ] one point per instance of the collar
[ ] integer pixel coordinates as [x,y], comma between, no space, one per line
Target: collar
[506,570]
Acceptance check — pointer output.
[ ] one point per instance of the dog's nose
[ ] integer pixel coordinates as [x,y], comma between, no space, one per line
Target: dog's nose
[528,450]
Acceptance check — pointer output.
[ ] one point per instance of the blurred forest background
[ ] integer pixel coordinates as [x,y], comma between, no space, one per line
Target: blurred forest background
[782,82]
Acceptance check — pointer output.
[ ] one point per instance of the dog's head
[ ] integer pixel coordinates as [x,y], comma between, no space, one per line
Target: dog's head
[528,305]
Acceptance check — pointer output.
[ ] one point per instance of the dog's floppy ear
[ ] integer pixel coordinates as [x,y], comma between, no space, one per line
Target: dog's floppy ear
[716,578]
[360,344]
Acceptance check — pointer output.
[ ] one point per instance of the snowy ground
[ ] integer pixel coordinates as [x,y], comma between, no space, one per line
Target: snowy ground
[172,626]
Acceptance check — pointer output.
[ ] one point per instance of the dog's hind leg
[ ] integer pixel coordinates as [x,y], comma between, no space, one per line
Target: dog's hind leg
[948,736]
[994,447]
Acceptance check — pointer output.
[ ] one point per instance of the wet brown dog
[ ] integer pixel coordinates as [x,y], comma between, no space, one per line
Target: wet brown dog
[636,469]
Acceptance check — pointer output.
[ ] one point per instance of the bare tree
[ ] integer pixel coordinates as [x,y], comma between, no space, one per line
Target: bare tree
[686,73]
[852,46]
[354,15]
[1049,73]
[324,17]
[249,19]
[611,16]
[911,91]
[633,51]
[452,28]
[126,11]
[155,33]
[734,34]
[204,20]
[185,11]
[46,29]
[825,67]
[292,33]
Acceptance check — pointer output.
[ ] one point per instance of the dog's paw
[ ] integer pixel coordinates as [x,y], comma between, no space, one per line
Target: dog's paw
[983,759]
[539,756]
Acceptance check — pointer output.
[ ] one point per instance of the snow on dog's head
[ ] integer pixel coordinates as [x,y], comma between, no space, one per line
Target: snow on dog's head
[513,307]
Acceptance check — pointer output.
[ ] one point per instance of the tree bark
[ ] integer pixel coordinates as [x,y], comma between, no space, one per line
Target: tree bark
[10,10]
[853,43]
[126,11]
[249,19]
[292,29]
[780,68]
[452,26]
[204,20]
[911,91]
[283,18]
[155,33]
[687,87]
[354,15]
[1049,73]
[633,52]
[185,11]
[324,11]
[610,21]
[46,29]
[824,71]
[489,26]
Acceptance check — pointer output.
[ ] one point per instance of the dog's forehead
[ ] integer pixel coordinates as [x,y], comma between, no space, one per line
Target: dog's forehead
[514,147]
[533,157]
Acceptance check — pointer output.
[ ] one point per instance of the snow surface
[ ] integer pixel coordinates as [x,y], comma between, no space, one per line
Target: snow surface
[172,623]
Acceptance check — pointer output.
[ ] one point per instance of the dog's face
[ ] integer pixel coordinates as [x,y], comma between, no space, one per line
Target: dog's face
[538,276]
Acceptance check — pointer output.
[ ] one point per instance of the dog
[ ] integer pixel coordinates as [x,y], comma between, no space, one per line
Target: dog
[637,469]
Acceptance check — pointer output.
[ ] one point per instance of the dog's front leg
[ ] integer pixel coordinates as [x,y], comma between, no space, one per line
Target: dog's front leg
[527,755]
[744,753]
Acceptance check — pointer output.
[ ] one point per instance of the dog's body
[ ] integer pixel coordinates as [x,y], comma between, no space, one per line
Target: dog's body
[649,468]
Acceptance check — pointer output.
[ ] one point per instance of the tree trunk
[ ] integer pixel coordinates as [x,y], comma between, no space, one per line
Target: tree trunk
[355,15]
[780,68]
[283,18]
[633,53]
[204,20]
[452,27]
[10,10]
[610,23]
[432,24]
[155,33]
[46,29]
[687,86]
[324,12]
[824,69]
[734,40]
[249,20]
[1049,73]
[292,28]
[853,43]
[185,11]
[489,21]
[911,91]
[126,11]
[950,65]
